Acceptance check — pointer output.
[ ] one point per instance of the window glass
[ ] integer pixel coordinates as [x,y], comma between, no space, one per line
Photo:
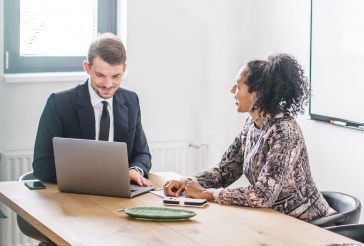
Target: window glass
[53,36]
[57,28]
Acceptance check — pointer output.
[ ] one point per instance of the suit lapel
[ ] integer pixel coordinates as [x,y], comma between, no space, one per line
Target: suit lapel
[86,115]
[120,117]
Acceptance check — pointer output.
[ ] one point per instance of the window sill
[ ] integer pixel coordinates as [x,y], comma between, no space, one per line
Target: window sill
[48,77]
[45,77]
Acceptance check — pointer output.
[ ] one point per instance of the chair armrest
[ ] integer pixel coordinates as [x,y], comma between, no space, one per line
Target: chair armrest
[329,220]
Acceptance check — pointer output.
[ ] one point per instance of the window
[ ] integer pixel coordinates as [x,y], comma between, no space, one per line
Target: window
[53,36]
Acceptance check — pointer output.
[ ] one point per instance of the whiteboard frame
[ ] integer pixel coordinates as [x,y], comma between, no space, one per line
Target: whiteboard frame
[328,119]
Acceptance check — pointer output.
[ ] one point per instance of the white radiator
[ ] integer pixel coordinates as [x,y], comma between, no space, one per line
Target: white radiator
[166,157]
[13,165]
[169,157]
[178,157]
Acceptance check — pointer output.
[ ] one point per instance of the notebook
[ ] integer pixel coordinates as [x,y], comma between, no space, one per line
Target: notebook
[94,167]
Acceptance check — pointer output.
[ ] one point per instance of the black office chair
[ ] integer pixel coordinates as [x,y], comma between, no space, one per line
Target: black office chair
[24,226]
[347,207]
[355,231]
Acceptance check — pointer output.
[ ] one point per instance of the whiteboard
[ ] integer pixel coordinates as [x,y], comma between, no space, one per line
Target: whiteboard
[337,59]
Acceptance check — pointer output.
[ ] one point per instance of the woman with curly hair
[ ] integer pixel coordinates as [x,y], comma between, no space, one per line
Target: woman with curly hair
[270,150]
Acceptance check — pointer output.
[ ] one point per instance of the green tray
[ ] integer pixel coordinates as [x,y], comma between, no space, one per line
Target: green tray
[152,213]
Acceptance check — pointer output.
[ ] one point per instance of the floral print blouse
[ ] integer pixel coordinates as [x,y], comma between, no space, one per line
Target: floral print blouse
[275,161]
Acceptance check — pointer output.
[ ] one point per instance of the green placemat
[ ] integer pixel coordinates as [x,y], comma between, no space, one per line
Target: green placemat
[152,213]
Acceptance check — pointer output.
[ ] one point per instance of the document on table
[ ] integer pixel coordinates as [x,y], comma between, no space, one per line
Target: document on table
[181,200]
[161,193]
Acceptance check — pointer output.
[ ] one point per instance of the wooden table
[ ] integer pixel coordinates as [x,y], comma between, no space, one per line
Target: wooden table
[75,219]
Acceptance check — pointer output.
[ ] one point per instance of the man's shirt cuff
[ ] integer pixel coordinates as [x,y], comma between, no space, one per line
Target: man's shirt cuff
[138,169]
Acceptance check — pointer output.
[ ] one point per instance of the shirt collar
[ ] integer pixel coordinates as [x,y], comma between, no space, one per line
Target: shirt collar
[95,98]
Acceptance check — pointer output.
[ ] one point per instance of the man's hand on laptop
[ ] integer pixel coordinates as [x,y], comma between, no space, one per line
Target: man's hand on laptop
[137,177]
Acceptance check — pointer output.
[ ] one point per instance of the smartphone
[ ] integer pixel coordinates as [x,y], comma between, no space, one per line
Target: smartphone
[36,185]
[184,202]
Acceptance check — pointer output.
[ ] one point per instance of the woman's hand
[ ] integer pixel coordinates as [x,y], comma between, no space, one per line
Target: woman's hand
[194,190]
[175,187]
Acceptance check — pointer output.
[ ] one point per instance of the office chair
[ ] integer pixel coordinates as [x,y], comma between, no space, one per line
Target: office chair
[355,231]
[27,176]
[347,207]
[2,215]
[26,228]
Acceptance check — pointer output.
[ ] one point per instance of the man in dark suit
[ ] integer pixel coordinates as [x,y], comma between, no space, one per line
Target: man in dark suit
[77,112]
[97,109]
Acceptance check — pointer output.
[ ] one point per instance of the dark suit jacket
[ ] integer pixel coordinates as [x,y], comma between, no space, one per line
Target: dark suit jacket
[69,114]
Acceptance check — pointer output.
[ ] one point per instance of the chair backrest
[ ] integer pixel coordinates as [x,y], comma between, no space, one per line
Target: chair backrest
[2,216]
[344,204]
[355,231]
[347,207]
[27,176]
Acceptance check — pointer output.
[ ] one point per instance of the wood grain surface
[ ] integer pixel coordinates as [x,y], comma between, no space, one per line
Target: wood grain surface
[76,219]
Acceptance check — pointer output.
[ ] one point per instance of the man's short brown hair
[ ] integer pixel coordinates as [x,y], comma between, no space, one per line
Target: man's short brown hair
[109,47]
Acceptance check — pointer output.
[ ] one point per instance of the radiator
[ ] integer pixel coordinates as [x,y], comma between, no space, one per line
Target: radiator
[166,157]
[169,157]
[13,165]
[178,157]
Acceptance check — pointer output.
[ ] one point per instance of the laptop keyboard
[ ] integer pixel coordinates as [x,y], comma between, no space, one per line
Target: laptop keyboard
[133,190]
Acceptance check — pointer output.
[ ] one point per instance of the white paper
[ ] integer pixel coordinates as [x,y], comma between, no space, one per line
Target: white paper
[160,193]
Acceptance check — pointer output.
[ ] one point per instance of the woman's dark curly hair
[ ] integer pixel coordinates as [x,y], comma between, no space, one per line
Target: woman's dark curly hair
[280,85]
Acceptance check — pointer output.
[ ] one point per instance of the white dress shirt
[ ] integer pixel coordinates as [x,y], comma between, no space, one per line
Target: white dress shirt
[96,102]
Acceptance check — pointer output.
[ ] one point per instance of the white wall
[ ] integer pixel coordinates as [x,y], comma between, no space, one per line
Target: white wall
[183,57]
[182,61]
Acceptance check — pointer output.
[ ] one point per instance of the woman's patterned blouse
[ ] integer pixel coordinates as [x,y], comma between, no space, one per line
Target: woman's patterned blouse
[275,161]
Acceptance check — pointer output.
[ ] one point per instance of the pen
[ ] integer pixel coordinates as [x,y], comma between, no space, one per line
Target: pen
[336,122]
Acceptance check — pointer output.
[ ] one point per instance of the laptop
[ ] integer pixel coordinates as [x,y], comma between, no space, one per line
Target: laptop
[94,167]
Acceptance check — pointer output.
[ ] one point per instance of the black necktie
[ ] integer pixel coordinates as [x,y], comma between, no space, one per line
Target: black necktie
[104,123]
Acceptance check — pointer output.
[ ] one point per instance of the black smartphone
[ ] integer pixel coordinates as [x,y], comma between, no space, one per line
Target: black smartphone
[36,185]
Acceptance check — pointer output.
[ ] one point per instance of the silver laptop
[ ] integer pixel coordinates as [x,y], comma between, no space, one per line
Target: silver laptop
[94,167]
